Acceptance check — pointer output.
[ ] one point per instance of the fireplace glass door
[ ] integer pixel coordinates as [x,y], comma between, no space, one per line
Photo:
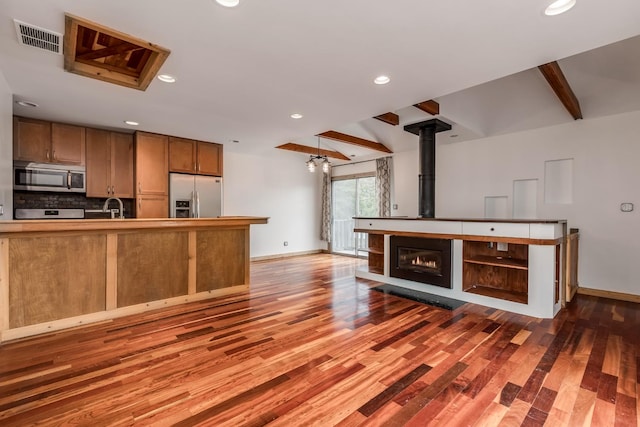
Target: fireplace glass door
[420,260]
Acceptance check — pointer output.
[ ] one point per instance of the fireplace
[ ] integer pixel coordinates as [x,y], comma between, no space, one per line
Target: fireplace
[421,260]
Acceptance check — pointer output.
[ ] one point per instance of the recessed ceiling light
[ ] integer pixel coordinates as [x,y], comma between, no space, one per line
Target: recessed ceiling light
[228,3]
[131,123]
[296,116]
[167,78]
[27,104]
[559,6]
[381,80]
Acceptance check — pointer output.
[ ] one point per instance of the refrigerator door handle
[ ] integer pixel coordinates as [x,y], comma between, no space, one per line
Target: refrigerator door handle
[198,203]
[192,206]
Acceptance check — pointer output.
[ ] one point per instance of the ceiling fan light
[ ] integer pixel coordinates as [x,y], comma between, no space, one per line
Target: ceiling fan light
[559,6]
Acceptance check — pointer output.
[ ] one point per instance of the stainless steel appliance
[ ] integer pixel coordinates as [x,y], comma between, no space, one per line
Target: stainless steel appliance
[49,213]
[195,196]
[49,177]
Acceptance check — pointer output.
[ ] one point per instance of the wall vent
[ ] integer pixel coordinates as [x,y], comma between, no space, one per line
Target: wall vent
[30,35]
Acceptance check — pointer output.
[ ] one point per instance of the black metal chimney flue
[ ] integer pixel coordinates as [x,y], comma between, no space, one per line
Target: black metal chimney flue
[427,152]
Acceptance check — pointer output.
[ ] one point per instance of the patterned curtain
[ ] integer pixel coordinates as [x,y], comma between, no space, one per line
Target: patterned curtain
[383,185]
[325,223]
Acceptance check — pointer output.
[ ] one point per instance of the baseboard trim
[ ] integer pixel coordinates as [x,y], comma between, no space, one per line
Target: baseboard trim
[609,294]
[288,255]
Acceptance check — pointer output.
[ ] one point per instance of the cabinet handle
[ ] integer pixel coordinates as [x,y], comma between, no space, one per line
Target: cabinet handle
[48,158]
[53,154]
[198,166]
[139,203]
[139,187]
[195,166]
[113,190]
[107,189]
[493,229]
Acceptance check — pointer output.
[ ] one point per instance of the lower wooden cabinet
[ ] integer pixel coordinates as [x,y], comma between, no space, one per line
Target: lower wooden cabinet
[152,207]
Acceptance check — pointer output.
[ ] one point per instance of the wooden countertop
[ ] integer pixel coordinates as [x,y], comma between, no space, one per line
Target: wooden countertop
[504,220]
[31,226]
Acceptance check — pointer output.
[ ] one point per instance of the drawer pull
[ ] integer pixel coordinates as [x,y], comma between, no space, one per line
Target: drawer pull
[493,229]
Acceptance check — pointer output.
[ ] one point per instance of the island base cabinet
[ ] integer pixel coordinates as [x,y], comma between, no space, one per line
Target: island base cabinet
[212,249]
[152,266]
[50,281]
[98,270]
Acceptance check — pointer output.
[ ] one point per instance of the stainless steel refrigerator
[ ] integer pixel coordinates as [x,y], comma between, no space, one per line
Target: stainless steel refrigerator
[195,196]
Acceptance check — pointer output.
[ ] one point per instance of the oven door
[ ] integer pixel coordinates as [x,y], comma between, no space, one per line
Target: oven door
[59,178]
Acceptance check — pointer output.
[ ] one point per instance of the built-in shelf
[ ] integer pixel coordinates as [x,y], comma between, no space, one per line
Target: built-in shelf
[499,261]
[520,297]
[496,273]
[376,253]
[372,251]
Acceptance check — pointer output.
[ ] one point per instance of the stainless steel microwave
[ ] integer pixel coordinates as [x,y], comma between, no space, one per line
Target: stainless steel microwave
[49,177]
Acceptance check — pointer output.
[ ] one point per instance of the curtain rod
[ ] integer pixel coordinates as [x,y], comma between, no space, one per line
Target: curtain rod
[355,163]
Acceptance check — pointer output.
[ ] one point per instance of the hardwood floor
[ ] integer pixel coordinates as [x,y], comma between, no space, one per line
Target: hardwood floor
[311,345]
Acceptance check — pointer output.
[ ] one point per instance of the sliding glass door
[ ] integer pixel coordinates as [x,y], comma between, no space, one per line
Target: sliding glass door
[351,197]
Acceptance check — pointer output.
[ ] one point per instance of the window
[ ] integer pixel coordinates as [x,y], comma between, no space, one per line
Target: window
[351,196]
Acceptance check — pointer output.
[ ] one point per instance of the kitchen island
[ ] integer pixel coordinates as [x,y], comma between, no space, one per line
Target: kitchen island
[58,274]
[514,265]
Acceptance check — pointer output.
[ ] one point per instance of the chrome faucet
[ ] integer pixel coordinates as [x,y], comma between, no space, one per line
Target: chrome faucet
[105,208]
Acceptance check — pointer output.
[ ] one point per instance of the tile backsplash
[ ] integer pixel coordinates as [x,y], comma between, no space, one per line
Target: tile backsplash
[46,200]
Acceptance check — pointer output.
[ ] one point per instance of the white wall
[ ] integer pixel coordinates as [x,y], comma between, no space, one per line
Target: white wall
[6,150]
[277,185]
[606,172]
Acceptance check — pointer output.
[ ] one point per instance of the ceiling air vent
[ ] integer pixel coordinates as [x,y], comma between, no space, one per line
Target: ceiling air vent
[30,35]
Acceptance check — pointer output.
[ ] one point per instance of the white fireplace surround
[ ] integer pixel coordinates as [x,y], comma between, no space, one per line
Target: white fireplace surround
[541,236]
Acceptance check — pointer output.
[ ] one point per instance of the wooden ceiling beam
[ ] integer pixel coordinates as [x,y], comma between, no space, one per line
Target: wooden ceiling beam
[312,150]
[354,140]
[429,107]
[558,82]
[389,118]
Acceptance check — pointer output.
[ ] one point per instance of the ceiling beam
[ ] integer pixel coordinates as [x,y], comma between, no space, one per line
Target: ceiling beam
[558,82]
[312,150]
[389,118]
[354,140]
[429,107]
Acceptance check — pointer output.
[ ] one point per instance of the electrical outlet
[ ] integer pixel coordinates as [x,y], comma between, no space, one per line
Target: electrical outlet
[503,247]
[395,207]
[286,243]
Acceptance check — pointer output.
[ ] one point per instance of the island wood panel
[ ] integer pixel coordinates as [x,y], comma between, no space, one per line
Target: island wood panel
[48,281]
[214,249]
[152,266]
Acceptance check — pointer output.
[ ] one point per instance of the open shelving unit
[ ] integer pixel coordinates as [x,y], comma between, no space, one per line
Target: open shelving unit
[496,273]
[376,253]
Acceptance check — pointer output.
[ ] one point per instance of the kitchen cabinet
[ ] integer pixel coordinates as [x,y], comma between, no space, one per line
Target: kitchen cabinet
[109,164]
[67,144]
[152,207]
[152,174]
[195,157]
[41,141]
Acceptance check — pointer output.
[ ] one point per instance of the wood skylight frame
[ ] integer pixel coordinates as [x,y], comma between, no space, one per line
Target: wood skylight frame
[93,50]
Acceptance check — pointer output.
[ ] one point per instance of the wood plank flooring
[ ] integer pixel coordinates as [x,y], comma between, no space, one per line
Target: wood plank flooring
[310,345]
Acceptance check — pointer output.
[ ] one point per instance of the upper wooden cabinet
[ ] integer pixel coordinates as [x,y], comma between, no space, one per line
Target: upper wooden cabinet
[109,164]
[45,142]
[196,157]
[151,170]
